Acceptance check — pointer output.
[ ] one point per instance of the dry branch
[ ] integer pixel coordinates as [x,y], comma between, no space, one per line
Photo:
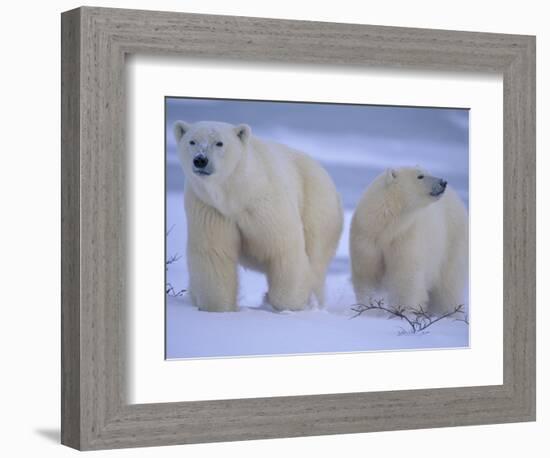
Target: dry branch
[417,318]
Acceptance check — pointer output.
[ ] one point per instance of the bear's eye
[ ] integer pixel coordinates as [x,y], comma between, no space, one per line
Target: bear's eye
[192,142]
[219,144]
[420,177]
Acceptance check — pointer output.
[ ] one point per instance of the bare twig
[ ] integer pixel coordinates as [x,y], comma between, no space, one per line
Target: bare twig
[172,259]
[465,317]
[417,318]
[170,290]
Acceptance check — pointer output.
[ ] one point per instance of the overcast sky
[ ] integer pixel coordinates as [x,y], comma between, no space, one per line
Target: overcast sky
[347,139]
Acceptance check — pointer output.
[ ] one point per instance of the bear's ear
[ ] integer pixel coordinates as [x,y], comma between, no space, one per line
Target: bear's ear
[180,128]
[391,175]
[243,131]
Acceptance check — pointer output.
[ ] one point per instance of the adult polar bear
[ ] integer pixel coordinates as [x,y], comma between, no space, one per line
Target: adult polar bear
[261,204]
[409,237]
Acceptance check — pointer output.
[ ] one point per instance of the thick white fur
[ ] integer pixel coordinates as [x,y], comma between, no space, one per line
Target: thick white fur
[265,206]
[409,244]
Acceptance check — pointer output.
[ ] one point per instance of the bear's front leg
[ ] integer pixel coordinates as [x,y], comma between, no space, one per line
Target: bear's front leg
[405,283]
[409,293]
[212,254]
[212,281]
[366,269]
[290,280]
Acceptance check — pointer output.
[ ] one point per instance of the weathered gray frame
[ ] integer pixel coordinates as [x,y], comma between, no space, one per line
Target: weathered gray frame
[95,413]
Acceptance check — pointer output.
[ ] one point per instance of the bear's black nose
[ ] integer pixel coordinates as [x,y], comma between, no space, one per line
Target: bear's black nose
[443,183]
[200,161]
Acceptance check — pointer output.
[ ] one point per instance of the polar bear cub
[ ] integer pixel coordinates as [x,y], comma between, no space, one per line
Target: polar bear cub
[259,204]
[409,238]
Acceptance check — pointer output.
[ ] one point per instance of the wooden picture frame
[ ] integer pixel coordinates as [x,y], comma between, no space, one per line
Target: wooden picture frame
[95,413]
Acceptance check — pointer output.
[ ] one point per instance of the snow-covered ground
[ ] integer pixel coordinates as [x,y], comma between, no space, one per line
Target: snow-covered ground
[258,330]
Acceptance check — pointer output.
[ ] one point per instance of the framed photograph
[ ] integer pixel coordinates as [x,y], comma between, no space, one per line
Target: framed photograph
[349,146]
[277,228]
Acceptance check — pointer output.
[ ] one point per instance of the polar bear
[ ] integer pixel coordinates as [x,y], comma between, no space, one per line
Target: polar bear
[409,239]
[259,204]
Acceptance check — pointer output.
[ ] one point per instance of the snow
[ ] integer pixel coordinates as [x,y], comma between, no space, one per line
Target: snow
[256,329]
[259,330]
